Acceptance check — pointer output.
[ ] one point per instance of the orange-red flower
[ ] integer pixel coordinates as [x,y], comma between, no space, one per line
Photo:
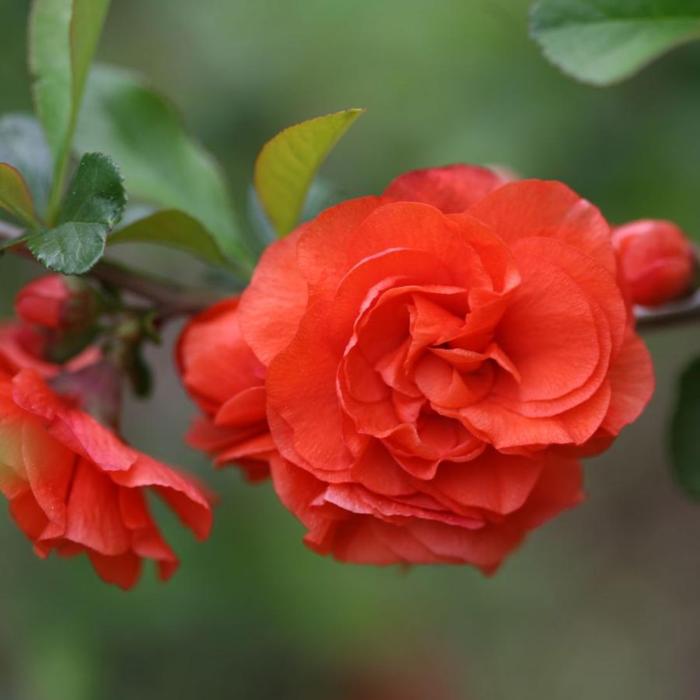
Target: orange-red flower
[435,360]
[72,484]
[656,260]
[223,375]
[74,487]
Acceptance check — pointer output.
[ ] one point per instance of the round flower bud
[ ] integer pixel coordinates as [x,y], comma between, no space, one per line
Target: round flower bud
[55,302]
[656,260]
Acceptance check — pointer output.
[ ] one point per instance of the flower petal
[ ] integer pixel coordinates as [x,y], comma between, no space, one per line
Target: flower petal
[453,188]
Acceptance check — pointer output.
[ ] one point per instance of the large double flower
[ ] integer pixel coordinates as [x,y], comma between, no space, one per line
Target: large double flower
[434,362]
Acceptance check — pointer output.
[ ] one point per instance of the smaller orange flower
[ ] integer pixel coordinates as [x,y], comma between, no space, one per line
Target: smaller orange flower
[656,259]
[224,377]
[74,487]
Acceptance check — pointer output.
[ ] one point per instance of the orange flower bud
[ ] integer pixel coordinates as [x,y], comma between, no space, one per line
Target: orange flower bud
[656,259]
[55,302]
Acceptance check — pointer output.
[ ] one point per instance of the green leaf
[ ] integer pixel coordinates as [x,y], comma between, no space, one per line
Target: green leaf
[15,196]
[174,229]
[93,206]
[23,145]
[685,431]
[603,41]
[321,195]
[71,248]
[50,65]
[63,35]
[160,163]
[86,27]
[96,194]
[287,164]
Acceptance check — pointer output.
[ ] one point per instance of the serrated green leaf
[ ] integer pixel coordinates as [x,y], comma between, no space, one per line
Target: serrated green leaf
[174,229]
[63,35]
[15,196]
[160,163]
[94,204]
[287,164]
[96,194]
[603,41]
[71,248]
[23,145]
[685,429]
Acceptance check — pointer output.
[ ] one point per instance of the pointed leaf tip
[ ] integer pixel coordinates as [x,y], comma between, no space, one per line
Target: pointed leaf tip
[287,164]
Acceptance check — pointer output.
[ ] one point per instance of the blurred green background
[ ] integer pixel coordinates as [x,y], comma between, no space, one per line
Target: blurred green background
[602,603]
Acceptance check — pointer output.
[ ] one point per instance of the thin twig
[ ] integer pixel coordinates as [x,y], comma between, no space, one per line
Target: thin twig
[172,300]
[672,314]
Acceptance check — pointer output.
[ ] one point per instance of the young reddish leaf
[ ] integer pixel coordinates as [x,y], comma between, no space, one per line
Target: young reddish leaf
[15,196]
[23,145]
[287,164]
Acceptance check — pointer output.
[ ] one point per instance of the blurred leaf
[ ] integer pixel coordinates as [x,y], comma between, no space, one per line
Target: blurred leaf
[23,145]
[93,206]
[63,35]
[71,248]
[607,40]
[96,194]
[85,30]
[260,225]
[288,163]
[685,431]
[15,196]
[160,163]
[174,229]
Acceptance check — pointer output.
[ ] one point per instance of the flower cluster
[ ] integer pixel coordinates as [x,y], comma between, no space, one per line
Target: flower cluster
[420,372]
[72,484]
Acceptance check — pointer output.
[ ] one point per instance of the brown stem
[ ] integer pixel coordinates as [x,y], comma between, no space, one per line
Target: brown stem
[671,314]
[170,299]
[173,300]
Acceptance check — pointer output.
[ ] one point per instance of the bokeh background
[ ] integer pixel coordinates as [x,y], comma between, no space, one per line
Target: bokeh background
[602,603]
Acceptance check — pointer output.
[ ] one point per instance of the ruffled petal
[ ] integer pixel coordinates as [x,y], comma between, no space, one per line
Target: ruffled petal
[453,188]
[528,208]
[275,299]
